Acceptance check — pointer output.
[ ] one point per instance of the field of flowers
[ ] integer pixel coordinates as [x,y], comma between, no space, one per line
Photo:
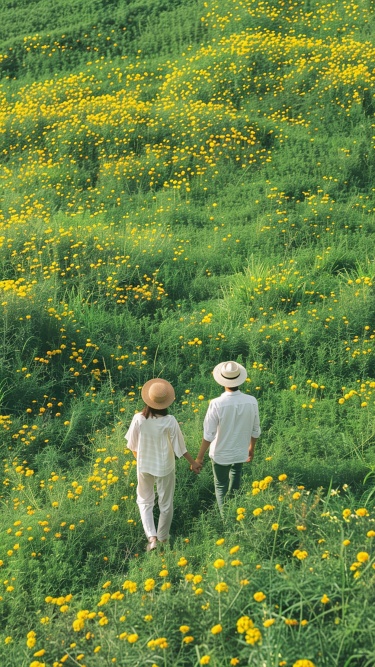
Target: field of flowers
[180,184]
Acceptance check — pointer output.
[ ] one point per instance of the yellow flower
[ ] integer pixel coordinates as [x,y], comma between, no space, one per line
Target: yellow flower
[259,596]
[220,541]
[324,599]
[132,638]
[268,622]
[346,513]
[371,533]
[216,629]
[163,573]
[130,586]
[222,587]
[78,624]
[182,562]
[234,550]
[346,543]
[165,586]
[275,526]
[236,562]
[188,639]
[363,556]
[160,642]
[303,663]
[362,511]
[184,628]
[149,584]
[301,555]
[283,477]
[291,622]
[205,660]
[219,563]
[257,511]
[244,623]
[115,508]
[296,495]
[234,661]
[253,635]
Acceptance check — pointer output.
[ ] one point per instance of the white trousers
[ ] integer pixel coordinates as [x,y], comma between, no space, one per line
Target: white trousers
[146,501]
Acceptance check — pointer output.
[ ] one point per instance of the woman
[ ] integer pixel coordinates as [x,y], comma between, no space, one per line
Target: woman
[155,439]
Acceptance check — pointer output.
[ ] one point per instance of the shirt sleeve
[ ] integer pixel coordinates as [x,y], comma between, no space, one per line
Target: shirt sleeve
[132,435]
[256,426]
[211,422]
[177,439]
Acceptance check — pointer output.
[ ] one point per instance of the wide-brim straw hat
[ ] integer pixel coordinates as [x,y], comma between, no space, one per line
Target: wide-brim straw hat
[230,374]
[158,393]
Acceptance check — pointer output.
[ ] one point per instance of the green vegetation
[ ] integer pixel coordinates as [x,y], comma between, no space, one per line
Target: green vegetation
[180,184]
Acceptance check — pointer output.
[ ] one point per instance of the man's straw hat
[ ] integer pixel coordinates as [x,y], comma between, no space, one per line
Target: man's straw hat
[158,393]
[230,374]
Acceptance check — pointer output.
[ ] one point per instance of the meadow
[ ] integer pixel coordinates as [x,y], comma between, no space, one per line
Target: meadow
[183,183]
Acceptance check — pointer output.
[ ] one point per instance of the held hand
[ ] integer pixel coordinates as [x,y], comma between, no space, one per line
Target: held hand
[196,467]
[250,457]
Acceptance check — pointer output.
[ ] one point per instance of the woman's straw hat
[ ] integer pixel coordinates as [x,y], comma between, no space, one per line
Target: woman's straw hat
[158,393]
[230,374]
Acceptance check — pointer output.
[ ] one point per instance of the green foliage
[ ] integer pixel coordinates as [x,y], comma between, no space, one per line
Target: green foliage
[183,183]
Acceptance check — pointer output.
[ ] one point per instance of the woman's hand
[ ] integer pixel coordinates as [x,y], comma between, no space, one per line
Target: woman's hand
[196,467]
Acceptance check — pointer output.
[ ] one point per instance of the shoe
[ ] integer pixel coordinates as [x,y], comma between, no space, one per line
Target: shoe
[152,544]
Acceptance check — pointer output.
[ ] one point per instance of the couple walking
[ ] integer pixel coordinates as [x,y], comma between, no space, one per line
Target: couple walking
[230,430]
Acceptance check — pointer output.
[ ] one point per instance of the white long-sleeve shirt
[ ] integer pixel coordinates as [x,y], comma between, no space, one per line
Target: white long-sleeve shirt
[157,440]
[230,422]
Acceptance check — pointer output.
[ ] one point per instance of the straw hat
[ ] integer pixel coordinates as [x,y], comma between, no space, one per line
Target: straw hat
[158,393]
[230,374]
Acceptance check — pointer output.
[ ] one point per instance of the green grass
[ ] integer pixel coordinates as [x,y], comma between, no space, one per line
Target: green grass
[182,184]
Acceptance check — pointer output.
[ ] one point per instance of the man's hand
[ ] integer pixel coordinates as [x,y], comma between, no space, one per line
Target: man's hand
[196,467]
[251,449]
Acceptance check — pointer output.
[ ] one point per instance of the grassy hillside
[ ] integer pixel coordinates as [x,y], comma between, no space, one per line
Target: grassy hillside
[180,184]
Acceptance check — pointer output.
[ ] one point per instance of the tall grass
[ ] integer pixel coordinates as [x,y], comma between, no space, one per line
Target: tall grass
[181,184]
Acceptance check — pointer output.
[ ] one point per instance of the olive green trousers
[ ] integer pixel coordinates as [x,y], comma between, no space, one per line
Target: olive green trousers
[227,480]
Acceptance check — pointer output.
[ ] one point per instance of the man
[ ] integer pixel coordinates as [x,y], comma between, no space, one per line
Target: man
[230,430]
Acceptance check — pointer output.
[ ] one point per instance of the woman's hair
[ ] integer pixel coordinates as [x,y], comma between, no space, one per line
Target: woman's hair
[151,412]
